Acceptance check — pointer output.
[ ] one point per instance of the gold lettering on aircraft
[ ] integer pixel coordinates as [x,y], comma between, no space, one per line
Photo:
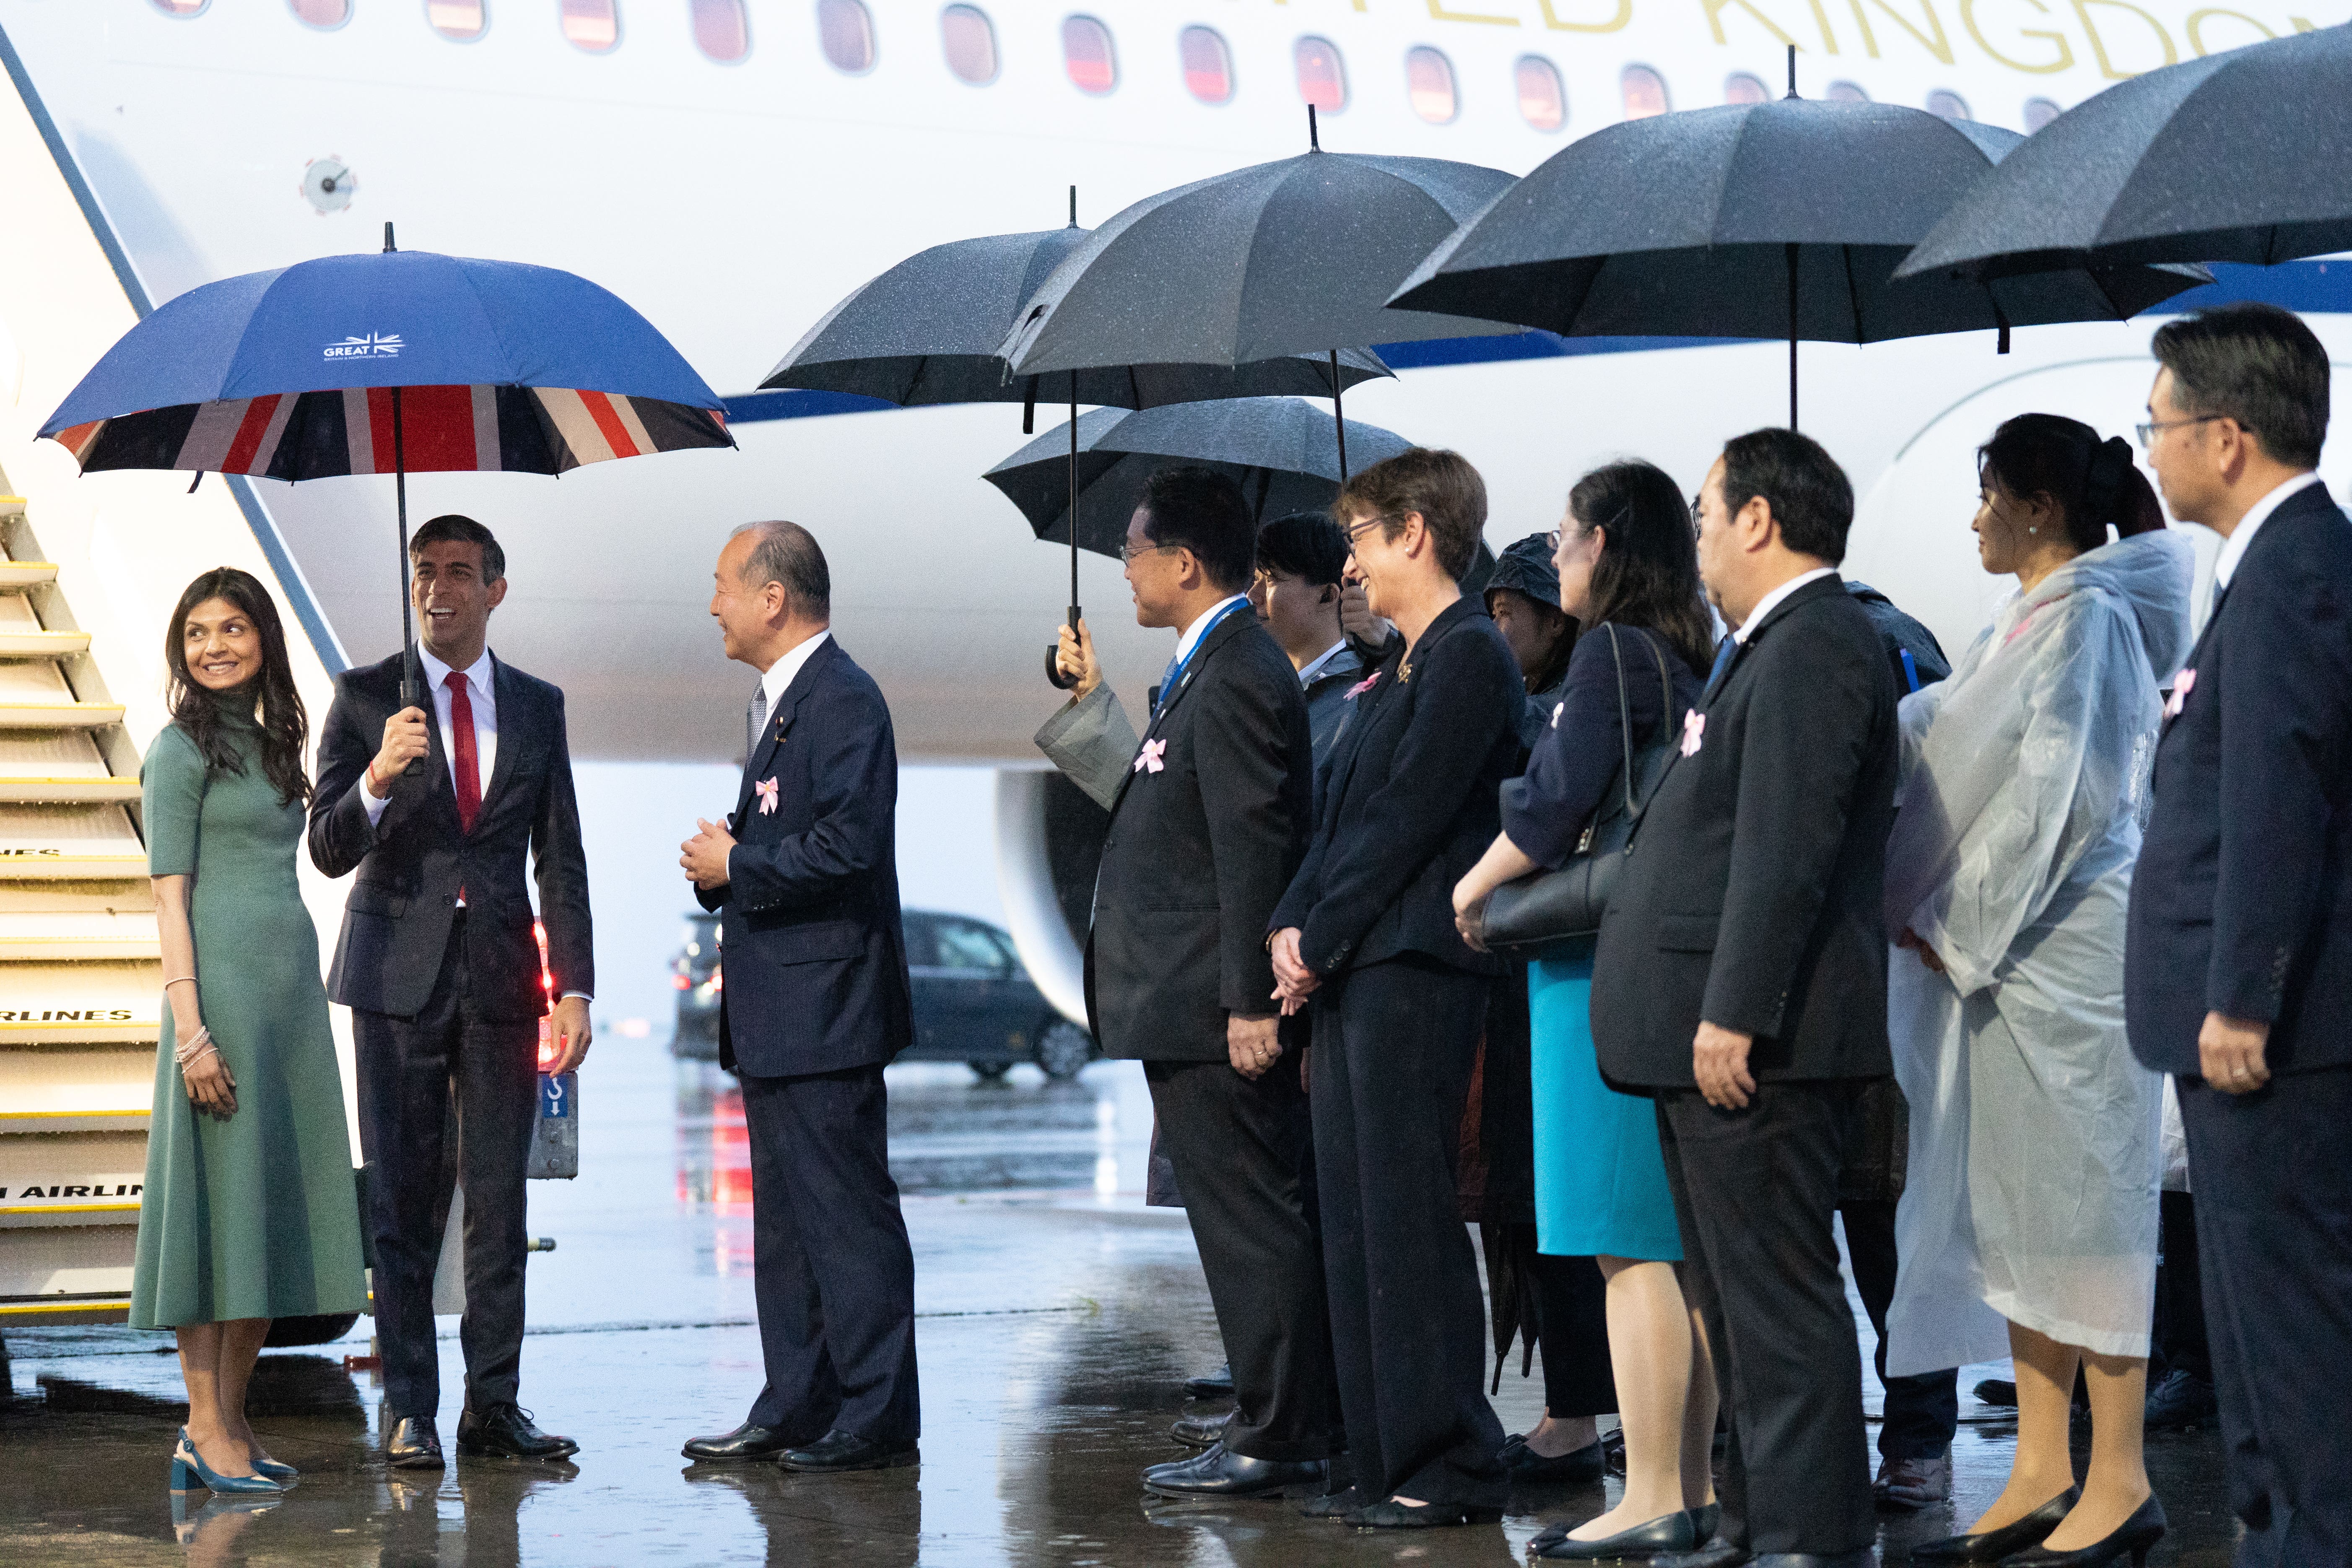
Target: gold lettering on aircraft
[1438,12]
[1935,44]
[1715,9]
[2099,45]
[2197,27]
[2303,24]
[2063,61]
[1551,19]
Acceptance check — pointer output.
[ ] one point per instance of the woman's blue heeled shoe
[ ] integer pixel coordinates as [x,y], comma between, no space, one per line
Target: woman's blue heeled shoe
[189,1471]
[277,1470]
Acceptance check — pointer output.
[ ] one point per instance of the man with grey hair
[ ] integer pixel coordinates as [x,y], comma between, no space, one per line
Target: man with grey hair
[816,1002]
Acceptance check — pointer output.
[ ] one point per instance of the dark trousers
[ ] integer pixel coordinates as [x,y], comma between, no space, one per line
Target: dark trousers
[2178,1334]
[1573,1319]
[831,1270]
[1236,1144]
[2274,1239]
[1394,1044]
[1922,1411]
[1754,1191]
[447,1071]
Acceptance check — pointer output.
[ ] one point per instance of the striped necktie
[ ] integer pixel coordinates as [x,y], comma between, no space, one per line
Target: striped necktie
[754,717]
[1723,655]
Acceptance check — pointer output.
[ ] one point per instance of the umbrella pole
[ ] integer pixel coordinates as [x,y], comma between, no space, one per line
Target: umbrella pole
[400,492]
[1792,337]
[1338,418]
[1052,654]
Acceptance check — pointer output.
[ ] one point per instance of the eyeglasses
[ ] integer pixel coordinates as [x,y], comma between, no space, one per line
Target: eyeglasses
[2148,432]
[1356,530]
[1129,552]
[1697,505]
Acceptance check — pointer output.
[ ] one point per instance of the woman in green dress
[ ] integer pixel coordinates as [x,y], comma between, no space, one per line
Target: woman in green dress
[249,1211]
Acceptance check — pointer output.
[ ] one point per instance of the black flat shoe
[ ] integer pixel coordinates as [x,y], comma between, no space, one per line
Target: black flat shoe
[746,1442]
[505,1432]
[2134,1537]
[1706,1519]
[1199,1431]
[1222,1473]
[1217,1385]
[1334,1504]
[1585,1464]
[837,1451]
[1393,1515]
[414,1444]
[2011,1538]
[1666,1534]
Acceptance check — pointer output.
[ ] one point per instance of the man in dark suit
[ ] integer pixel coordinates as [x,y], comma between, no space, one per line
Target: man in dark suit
[2237,967]
[1208,820]
[439,967]
[816,1003]
[1741,979]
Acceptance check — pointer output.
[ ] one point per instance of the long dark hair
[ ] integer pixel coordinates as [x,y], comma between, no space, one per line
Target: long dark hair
[269,698]
[2092,482]
[1647,575]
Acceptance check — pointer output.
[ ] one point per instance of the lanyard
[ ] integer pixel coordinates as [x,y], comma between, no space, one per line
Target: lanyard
[1175,682]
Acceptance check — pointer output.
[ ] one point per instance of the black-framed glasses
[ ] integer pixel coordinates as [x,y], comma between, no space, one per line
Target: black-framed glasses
[1358,530]
[2148,432]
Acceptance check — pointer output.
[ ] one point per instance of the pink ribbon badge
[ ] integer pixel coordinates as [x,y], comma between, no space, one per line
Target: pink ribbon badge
[1361,687]
[1152,758]
[766,789]
[1693,729]
[2180,690]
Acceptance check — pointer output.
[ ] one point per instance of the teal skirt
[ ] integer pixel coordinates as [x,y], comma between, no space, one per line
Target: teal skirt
[1600,1181]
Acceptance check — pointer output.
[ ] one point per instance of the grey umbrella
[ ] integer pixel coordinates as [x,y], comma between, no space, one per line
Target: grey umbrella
[1293,257]
[2240,156]
[1769,220]
[1283,452]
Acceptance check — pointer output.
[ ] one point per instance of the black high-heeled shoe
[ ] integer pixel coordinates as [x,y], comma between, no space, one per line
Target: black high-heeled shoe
[2134,1536]
[1993,1545]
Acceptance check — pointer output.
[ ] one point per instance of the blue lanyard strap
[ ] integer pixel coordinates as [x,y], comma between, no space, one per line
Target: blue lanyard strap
[1175,682]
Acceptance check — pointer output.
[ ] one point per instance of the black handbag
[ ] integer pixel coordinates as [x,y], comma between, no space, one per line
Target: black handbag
[1540,913]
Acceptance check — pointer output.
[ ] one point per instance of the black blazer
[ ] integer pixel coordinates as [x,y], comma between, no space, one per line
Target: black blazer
[1750,897]
[414,860]
[814,954]
[1199,850]
[2241,901]
[1409,801]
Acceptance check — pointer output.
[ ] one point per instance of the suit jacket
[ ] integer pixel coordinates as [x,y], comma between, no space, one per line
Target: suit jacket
[2241,901]
[1751,896]
[1409,801]
[816,955]
[414,860]
[1206,825]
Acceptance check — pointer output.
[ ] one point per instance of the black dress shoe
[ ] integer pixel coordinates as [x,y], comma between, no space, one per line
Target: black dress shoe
[746,1442]
[2182,1402]
[1667,1533]
[1199,1431]
[414,1444]
[1998,1392]
[1993,1546]
[1217,1385]
[1391,1514]
[1585,1464]
[2134,1537]
[505,1432]
[1333,1505]
[838,1450]
[1222,1473]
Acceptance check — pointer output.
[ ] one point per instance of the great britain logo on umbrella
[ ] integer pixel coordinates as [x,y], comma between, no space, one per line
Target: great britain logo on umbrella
[373,345]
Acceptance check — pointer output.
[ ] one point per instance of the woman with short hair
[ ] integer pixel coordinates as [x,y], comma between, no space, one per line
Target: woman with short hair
[249,1212]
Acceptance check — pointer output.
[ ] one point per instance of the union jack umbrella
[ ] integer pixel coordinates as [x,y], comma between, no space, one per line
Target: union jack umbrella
[398,363]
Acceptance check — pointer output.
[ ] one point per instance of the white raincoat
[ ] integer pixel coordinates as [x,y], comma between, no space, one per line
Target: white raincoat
[2031,1191]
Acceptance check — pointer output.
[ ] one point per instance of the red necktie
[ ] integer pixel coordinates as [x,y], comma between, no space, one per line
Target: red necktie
[468,769]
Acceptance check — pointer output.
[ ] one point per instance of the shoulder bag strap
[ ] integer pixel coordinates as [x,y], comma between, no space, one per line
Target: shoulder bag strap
[1624,712]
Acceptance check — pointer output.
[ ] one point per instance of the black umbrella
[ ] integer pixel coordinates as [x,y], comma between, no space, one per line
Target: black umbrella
[2242,156]
[1773,220]
[1283,453]
[929,330]
[1294,256]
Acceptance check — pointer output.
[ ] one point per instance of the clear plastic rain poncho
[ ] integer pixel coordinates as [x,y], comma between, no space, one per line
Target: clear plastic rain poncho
[2031,1193]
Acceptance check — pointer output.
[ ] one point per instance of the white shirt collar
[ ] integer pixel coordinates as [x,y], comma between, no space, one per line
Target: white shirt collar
[1314,667]
[1192,633]
[779,678]
[2233,549]
[1764,606]
[479,674]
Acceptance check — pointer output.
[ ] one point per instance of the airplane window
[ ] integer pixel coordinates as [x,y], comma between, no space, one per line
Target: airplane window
[1644,91]
[591,24]
[1950,105]
[1322,78]
[1429,82]
[1740,87]
[456,19]
[720,29]
[971,43]
[845,29]
[1086,54]
[1208,64]
[322,13]
[2039,112]
[1846,92]
[182,7]
[1543,103]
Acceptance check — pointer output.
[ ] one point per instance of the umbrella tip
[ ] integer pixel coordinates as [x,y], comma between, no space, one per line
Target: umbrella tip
[1314,137]
[1074,206]
[388,246]
[1793,71]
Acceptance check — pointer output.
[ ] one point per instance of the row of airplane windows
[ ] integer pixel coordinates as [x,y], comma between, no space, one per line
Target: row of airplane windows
[845,33]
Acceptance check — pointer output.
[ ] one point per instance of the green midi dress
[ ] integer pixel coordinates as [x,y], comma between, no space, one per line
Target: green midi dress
[257,1216]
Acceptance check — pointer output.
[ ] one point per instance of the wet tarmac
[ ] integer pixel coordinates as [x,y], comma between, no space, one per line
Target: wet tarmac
[1058,1318]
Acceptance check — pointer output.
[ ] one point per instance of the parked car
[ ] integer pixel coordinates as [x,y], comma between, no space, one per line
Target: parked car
[973,1002]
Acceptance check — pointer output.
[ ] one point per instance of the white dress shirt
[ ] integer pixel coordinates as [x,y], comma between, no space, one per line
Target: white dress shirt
[1201,623]
[481,690]
[1764,606]
[780,676]
[2233,549]
[1314,667]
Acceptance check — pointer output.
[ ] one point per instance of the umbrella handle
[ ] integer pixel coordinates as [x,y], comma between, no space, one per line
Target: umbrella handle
[1053,675]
